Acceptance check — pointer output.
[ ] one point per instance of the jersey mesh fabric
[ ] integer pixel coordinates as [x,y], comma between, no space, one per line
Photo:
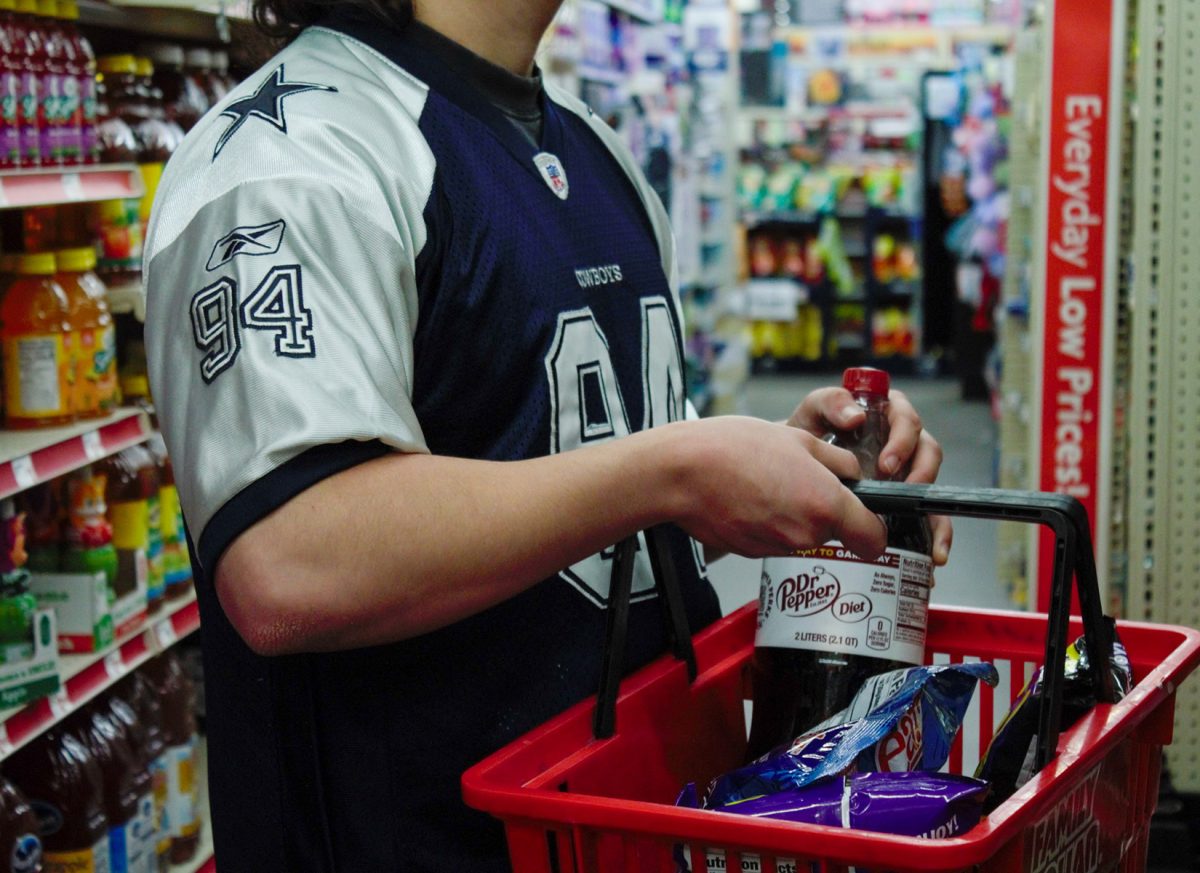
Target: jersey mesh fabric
[520,323]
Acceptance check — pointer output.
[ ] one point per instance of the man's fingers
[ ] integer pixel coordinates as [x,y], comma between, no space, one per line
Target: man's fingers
[862,531]
[943,538]
[838,461]
[827,409]
[926,460]
[905,434]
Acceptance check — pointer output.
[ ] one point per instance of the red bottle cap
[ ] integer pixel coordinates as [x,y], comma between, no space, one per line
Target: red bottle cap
[866,380]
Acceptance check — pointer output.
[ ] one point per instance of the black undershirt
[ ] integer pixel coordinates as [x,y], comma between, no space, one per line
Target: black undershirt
[517,97]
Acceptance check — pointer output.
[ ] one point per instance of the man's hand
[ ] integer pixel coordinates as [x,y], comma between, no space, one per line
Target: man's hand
[911,453]
[761,489]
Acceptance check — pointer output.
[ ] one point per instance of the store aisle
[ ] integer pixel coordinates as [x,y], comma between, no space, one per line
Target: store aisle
[967,435]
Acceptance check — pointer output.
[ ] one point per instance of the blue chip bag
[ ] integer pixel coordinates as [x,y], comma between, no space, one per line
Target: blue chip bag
[898,721]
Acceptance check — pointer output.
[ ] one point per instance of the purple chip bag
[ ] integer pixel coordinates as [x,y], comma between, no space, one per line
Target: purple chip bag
[898,721]
[914,804]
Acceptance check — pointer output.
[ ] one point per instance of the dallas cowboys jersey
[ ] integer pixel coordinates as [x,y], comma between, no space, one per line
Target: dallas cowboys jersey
[356,254]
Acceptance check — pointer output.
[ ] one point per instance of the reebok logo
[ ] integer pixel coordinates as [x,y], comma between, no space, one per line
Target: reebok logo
[261,239]
[593,277]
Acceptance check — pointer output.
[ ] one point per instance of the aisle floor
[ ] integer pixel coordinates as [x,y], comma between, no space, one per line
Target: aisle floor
[968,437]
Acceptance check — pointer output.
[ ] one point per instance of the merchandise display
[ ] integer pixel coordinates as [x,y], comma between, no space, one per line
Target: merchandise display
[829,620]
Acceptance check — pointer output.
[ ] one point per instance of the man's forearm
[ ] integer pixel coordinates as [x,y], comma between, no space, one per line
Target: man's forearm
[409,543]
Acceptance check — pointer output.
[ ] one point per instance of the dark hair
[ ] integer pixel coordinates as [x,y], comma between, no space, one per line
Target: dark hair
[284,19]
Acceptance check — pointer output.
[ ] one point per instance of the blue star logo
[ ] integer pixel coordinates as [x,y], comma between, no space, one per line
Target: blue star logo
[265,103]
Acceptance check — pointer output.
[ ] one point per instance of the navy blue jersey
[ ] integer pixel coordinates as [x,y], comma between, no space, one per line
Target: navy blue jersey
[356,254]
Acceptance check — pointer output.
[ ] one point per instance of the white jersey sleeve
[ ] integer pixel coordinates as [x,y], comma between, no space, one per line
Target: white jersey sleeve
[281,288]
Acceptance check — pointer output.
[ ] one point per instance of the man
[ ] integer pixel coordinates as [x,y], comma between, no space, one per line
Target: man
[417,357]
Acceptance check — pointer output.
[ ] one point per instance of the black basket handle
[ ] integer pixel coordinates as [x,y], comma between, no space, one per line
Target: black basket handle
[1073,559]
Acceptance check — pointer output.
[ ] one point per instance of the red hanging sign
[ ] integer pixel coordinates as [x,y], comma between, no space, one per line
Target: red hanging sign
[1078,237]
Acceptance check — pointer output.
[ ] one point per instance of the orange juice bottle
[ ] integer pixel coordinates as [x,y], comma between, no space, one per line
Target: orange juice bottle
[93,337]
[36,342]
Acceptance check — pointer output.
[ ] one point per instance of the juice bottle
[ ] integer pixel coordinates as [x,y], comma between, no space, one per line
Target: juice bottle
[131,728]
[10,87]
[17,604]
[95,338]
[141,695]
[88,535]
[63,783]
[115,140]
[159,135]
[51,89]
[127,791]
[197,69]
[44,522]
[828,620]
[177,694]
[180,99]
[37,350]
[20,846]
[132,497]
[32,57]
[222,84]
[133,374]
[177,568]
[82,69]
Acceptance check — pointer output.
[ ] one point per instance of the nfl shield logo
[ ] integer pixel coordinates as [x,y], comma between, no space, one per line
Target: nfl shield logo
[553,172]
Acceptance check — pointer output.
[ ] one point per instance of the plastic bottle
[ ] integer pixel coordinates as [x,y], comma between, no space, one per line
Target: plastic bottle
[52,90]
[134,732]
[197,68]
[132,497]
[126,790]
[141,696]
[115,140]
[62,781]
[222,82]
[179,732]
[94,336]
[876,609]
[32,55]
[81,68]
[20,846]
[17,604]
[37,346]
[44,522]
[88,534]
[10,88]
[177,568]
[183,101]
[159,135]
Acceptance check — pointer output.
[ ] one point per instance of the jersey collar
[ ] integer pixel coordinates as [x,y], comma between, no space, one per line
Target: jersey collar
[414,57]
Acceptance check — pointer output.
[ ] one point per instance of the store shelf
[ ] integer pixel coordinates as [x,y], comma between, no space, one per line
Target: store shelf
[190,21]
[58,186]
[28,457]
[87,675]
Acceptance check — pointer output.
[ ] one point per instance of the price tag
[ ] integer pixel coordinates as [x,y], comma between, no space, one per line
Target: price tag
[6,746]
[24,472]
[60,703]
[92,446]
[72,186]
[165,631]
[114,665]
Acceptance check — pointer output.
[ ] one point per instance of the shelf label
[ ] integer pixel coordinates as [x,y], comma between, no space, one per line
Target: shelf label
[72,186]
[93,447]
[24,472]
[114,665]
[165,633]
[60,703]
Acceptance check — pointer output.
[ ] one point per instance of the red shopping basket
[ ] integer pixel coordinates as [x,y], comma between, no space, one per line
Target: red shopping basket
[571,802]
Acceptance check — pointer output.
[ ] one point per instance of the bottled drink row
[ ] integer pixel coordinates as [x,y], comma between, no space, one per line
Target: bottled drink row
[59,106]
[127,503]
[111,788]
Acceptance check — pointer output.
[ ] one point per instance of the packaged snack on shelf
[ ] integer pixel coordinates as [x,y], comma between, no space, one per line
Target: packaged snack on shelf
[1008,762]
[900,720]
